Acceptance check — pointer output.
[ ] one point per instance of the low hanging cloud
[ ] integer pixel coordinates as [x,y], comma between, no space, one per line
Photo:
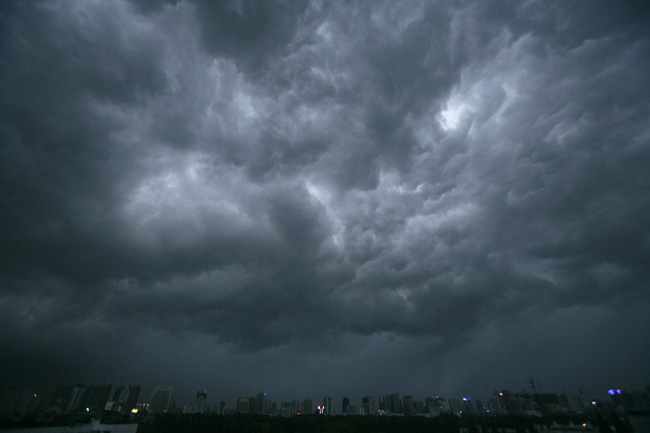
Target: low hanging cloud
[318,183]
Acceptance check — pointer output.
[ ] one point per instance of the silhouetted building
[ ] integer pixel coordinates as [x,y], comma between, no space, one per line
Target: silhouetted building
[454,405]
[258,403]
[120,392]
[199,402]
[571,401]
[370,405]
[161,399]
[307,406]
[393,403]
[243,405]
[408,404]
[75,398]
[132,398]
[467,406]
[60,398]
[344,405]
[95,397]
[329,405]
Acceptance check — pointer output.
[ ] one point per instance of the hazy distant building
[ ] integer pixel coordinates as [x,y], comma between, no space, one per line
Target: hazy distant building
[124,399]
[393,403]
[132,398]
[199,402]
[408,404]
[370,405]
[221,408]
[75,398]
[161,399]
[494,405]
[345,403]
[329,405]
[454,405]
[14,402]
[60,399]
[258,403]
[307,406]
[243,405]
[571,402]
[467,405]
[95,397]
[120,394]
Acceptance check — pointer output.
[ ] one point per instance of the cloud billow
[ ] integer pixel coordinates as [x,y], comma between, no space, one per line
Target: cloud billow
[430,178]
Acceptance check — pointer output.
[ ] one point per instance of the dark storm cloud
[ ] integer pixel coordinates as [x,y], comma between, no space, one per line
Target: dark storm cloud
[324,184]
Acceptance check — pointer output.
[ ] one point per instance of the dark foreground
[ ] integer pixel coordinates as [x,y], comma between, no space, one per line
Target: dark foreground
[339,424]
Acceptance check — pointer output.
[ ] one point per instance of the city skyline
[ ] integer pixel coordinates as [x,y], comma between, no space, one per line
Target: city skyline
[308,196]
[103,398]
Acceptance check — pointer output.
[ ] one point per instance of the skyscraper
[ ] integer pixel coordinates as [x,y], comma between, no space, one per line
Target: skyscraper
[199,403]
[344,405]
[95,397]
[132,399]
[329,405]
[408,404]
[75,398]
[393,403]
[307,406]
[243,405]
[161,399]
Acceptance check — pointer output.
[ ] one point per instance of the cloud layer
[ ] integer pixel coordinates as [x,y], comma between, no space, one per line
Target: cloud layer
[338,197]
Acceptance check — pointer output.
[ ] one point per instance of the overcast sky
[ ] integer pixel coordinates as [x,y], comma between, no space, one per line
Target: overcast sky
[325,198]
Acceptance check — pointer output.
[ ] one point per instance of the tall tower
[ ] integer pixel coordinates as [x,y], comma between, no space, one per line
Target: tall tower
[329,405]
[132,399]
[161,399]
[393,403]
[199,403]
[95,397]
[307,406]
[344,405]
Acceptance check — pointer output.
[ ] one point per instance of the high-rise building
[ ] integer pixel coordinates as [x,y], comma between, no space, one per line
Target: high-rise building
[370,405]
[307,406]
[199,403]
[120,394]
[329,405]
[132,399]
[161,399]
[344,405]
[454,405]
[221,409]
[75,398]
[393,403]
[243,405]
[95,397]
[60,399]
[408,404]
[258,402]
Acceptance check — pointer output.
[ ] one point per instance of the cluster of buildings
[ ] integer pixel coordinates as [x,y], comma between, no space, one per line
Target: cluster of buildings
[502,402]
[97,398]
[123,400]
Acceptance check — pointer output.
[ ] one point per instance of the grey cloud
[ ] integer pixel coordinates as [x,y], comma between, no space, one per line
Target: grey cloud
[355,185]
